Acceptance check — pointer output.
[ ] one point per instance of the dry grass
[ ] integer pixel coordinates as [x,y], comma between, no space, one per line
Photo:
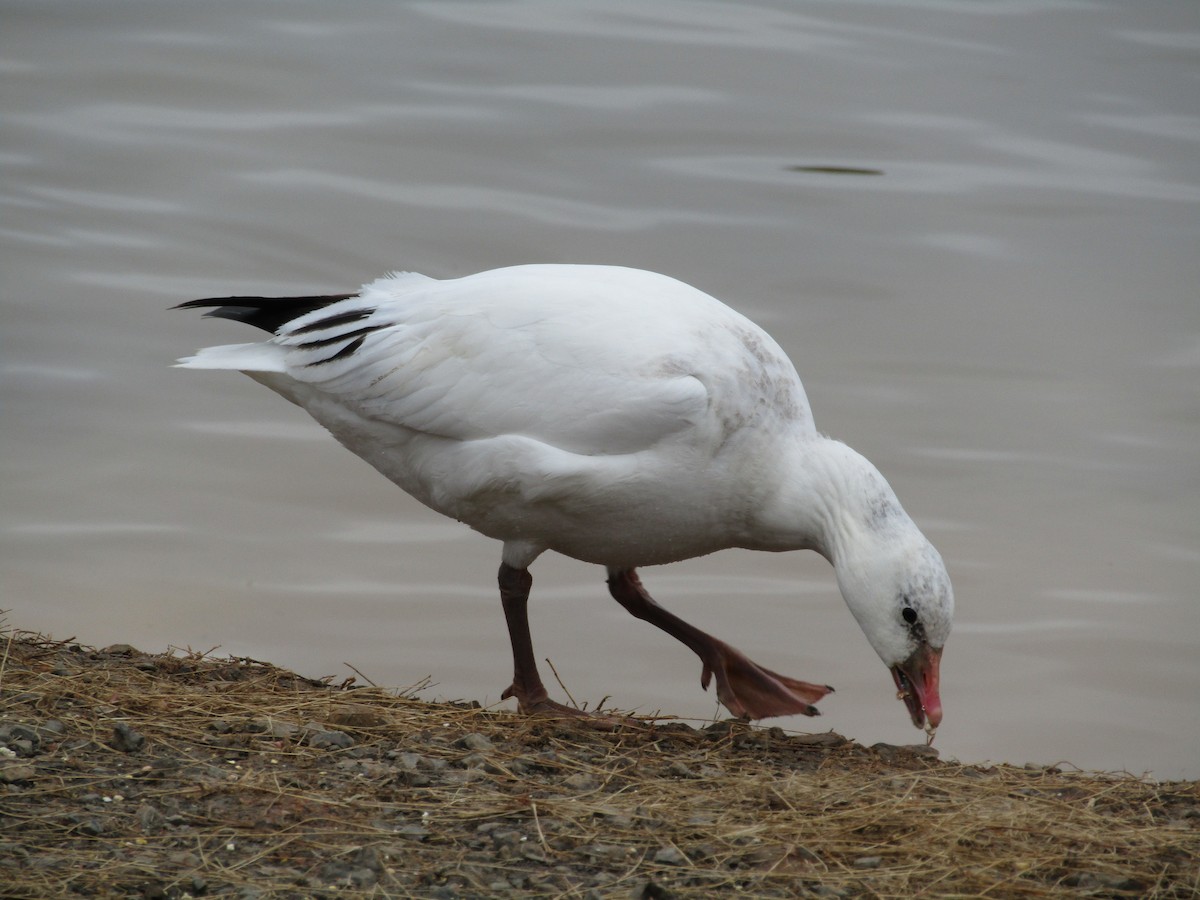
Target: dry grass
[252,781]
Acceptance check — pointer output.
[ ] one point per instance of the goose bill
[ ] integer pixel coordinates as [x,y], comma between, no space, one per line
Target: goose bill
[917,685]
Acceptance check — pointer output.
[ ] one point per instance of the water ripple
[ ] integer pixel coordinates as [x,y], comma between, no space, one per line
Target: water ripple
[548,209]
[1051,167]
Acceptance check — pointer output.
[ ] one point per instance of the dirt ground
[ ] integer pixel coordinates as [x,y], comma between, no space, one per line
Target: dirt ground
[125,774]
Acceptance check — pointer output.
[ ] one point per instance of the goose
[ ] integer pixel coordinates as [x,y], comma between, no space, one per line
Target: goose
[616,416]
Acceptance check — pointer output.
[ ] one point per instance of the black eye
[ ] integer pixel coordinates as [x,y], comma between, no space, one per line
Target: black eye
[909,614]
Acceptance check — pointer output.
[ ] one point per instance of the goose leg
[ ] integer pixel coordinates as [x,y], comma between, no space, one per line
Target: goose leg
[746,689]
[526,686]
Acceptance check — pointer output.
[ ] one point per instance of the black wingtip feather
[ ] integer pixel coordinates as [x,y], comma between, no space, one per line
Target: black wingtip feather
[268,313]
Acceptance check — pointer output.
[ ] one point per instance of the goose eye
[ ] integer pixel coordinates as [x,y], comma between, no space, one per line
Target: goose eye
[909,614]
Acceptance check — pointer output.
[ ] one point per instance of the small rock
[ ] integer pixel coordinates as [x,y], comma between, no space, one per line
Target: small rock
[362,877]
[369,857]
[16,732]
[126,739]
[868,862]
[507,837]
[415,832]
[603,852]
[148,818]
[533,852]
[679,770]
[670,855]
[409,762]
[581,781]
[283,730]
[51,729]
[14,773]
[122,650]
[89,827]
[652,891]
[330,740]
[477,742]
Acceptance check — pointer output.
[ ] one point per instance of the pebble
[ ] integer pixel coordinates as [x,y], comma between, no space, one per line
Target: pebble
[533,852]
[122,650]
[679,770]
[89,826]
[670,855]
[20,739]
[409,762]
[581,781]
[126,739]
[868,862]
[507,837]
[603,851]
[13,774]
[824,890]
[477,742]
[149,819]
[414,832]
[330,740]
[283,730]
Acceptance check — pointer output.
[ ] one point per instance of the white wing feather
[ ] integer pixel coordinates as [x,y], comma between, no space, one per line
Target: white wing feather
[513,352]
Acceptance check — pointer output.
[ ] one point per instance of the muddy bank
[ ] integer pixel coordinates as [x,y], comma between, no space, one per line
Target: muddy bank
[124,774]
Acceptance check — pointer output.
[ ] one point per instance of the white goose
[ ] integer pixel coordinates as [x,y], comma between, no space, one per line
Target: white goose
[616,416]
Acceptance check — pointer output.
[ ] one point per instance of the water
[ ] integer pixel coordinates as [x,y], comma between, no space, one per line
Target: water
[1005,320]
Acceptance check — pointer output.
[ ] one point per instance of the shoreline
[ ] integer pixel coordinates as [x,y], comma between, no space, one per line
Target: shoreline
[178,775]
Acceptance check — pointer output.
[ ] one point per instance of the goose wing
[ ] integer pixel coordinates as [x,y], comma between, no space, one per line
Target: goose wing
[578,363]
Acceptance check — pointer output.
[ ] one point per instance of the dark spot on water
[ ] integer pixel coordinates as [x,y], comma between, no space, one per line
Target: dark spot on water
[834,170]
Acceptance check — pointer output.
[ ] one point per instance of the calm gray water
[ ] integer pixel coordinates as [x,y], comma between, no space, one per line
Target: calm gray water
[1006,320]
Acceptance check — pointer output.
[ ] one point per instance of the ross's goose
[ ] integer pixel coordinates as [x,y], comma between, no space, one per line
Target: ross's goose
[616,416]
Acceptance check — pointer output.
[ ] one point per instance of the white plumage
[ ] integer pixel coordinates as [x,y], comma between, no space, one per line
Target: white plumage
[618,417]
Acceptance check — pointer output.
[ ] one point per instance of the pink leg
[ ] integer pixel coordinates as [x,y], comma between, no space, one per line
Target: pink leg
[746,689]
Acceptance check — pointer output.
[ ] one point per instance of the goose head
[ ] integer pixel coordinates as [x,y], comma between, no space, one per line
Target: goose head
[898,589]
